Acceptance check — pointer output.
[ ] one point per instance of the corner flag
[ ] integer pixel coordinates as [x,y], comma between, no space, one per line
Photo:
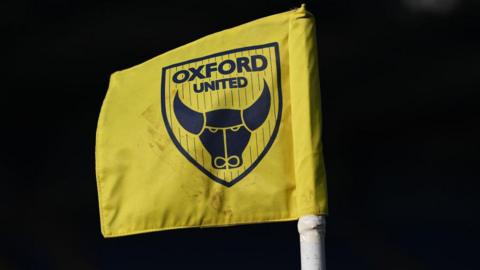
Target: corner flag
[222,131]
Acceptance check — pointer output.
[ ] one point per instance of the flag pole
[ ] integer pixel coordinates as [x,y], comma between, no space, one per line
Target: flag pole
[312,244]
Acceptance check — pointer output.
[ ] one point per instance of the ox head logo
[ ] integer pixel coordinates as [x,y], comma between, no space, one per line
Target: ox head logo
[223,111]
[224,132]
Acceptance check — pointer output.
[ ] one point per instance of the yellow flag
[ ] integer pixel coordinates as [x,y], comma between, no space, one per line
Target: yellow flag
[224,130]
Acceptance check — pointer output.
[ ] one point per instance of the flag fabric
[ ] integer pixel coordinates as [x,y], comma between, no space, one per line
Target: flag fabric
[222,131]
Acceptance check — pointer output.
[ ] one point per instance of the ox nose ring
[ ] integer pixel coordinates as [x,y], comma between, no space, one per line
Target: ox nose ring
[221,162]
[233,161]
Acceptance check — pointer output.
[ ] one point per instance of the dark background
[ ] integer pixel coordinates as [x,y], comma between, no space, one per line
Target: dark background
[400,92]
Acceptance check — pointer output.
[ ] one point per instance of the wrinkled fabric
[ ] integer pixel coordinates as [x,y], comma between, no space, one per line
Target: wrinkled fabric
[222,131]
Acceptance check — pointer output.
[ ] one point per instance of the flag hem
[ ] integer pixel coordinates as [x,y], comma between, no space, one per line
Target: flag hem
[134,232]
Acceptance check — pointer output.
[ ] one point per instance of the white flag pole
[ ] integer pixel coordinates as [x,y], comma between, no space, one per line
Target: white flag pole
[312,244]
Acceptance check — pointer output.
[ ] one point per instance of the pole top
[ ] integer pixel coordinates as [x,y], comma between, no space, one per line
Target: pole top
[311,222]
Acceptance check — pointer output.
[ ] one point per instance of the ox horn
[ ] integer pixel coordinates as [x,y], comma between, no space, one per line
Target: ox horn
[257,113]
[190,120]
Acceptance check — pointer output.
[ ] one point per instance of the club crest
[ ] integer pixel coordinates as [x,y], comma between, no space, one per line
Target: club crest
[223,111]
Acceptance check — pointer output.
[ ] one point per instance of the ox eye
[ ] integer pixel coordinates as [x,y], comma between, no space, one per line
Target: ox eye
[213,130]
[235,129]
